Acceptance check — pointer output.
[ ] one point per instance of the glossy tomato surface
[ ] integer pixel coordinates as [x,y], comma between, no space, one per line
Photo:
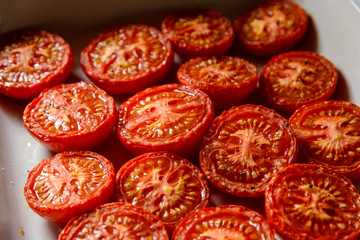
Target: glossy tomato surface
[328,134]
[224,222]
[227,80]
[32,60]
[244,147]
[74,116]
[169,117]
[113,221]
[127,59]
[198,32]
[69,184]
[166,185]
[308,202]
[271,27]
[293,79]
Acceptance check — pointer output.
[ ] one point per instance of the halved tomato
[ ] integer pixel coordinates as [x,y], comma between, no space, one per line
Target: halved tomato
[32,60]
[244,147]
[225,222]
[329,134]
[74,116]
[69,184]
[227,80]
[169,117]
[166,185]
[290,80]
[271,27]
[127,59]
[198,32]
[311,202]
[114,221]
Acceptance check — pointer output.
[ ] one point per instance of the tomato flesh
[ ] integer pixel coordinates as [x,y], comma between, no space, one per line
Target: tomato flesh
[244,147]
[71,117]
[165,118]
[328,135]
[69,184]
[307,201]
[116,220]
[166,185]
[32,60]
[225,222]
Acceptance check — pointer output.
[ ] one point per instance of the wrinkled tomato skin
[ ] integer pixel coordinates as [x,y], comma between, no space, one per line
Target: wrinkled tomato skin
[327,204]
[172,105]
[327,132]
[210,23]
[88,123]
[245,224]
[293,79]
[228,81]
[172,180]
[280,41]
[27,48]
[136,52]
[113,221]
[63,171]
[244,147]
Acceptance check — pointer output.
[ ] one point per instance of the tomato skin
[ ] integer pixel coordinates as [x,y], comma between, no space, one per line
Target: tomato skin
[245,224]
[117,220]
[327,132]
[293,79]
[227,80]
[134,57]
[198,32]
[74,116]
[32,60]
[328,204]
[244,147]
[171,178]
[269,41]
[60,176]
[185,112]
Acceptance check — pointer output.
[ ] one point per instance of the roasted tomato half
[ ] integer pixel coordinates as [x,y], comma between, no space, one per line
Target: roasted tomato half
[166,185]
[69,184]
[169,117]
[227,80]
[293,79]
[271,27]
[225,222]
[198,32]
[114,221]
[32,60]
[311,202]
[74,116]
[127,59]
[329,134]
[245,147]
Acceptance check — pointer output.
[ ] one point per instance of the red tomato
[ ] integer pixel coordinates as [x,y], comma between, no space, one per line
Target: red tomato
[71,117]
[225,222]
[271,27]
[169,117]
[69,184]
[198,32]
[166,185]
[311,202]
[296,78]
[114,221]
[32,60]
[227,80]
[328,134]
[127,59]
[245,147]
